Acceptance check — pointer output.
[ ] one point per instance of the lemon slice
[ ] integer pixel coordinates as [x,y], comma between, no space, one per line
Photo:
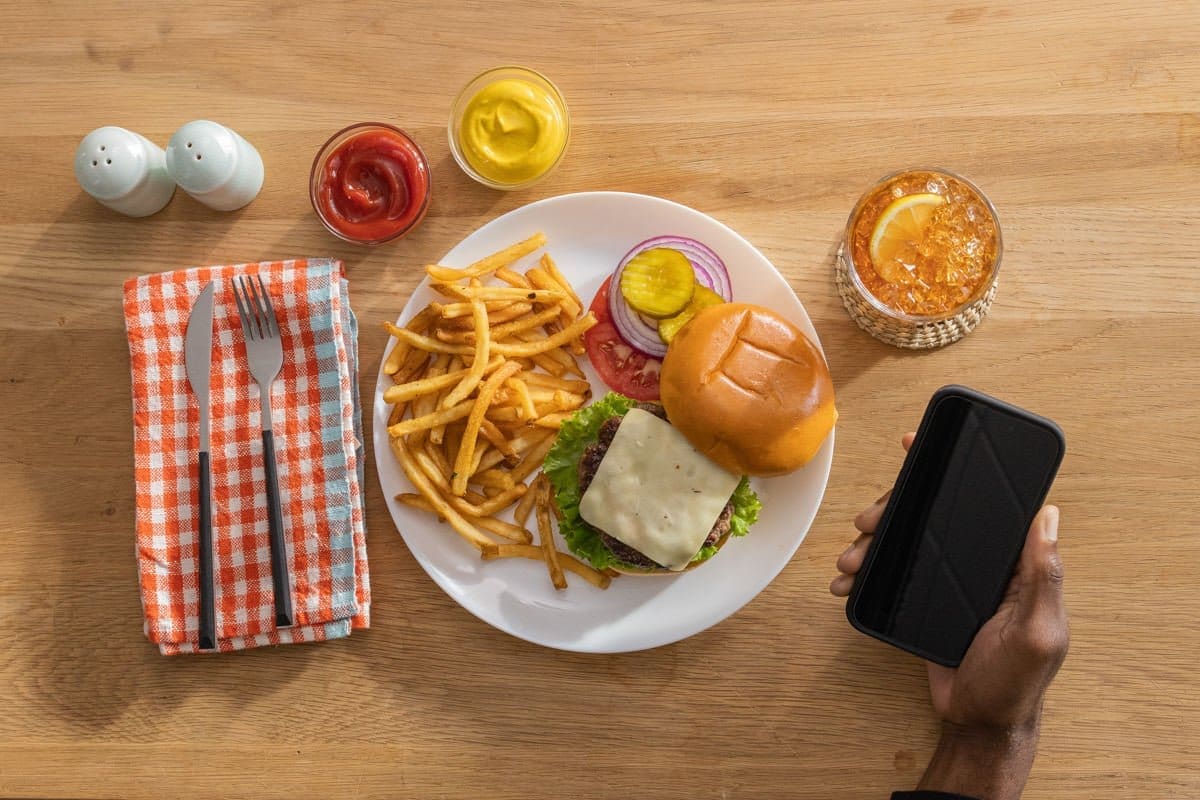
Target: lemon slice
[900,228]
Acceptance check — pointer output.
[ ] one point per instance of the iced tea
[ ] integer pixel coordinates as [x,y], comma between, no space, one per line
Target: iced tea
[924,243]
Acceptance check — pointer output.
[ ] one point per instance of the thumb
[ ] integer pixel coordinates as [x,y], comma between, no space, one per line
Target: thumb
[1041,570]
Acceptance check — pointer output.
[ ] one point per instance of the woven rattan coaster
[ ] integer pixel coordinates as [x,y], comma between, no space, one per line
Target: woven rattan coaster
[915,336]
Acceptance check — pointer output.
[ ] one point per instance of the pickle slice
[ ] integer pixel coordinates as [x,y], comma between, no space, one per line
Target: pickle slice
[703,298]
[658,282]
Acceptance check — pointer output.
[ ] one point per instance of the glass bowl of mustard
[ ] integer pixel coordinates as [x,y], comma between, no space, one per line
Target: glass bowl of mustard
[509,127]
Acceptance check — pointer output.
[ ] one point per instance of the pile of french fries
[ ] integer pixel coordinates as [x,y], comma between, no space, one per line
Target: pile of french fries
[482,381]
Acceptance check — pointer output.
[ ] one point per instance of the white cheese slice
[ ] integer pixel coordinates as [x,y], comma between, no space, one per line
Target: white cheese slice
[655,492]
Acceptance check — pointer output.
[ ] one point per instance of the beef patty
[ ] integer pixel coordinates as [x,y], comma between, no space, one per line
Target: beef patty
[590,462]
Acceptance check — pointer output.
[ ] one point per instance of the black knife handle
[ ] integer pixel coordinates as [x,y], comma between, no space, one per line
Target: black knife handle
[208,616]
[280,574]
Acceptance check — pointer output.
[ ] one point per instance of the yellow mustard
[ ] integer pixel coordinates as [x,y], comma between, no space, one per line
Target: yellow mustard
[513,131]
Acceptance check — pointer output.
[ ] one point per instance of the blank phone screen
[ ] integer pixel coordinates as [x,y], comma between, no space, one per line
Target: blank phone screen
[946,552]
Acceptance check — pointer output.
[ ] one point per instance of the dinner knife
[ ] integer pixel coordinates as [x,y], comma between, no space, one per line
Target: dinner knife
[197,353]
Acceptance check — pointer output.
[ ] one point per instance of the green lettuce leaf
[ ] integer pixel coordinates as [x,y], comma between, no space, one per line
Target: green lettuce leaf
[562,469]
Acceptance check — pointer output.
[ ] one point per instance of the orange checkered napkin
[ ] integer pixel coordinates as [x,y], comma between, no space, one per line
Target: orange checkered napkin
[318,448]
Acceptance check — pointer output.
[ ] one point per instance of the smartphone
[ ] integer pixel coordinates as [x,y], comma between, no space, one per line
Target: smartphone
[952,532]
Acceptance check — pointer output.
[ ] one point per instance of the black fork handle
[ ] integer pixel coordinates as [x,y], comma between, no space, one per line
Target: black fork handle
[280,574]
[208,616]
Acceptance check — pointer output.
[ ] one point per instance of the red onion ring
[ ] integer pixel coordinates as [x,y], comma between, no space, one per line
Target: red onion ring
[711,273]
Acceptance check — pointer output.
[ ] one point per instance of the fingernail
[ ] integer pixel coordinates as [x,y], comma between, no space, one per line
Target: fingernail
[1050,528]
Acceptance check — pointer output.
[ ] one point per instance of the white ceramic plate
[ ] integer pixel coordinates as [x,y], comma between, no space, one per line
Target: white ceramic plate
[587,233]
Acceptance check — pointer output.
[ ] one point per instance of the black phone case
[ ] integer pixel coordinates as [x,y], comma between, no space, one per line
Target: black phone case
[881,530]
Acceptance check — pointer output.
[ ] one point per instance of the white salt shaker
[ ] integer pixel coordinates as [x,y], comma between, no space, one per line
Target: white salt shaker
[214,165]
[124,171]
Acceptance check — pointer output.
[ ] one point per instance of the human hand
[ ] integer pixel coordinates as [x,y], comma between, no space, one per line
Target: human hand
[991,704]
[1004,674]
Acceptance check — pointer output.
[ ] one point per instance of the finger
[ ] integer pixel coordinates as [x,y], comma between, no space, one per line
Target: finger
[868,519]
[1040,606]
[841,586]
[851,561]
[906,440]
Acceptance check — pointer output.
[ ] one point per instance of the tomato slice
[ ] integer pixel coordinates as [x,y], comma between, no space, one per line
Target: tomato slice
[625,370]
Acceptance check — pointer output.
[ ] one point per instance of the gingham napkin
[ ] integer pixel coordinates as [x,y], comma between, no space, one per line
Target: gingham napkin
[318,447]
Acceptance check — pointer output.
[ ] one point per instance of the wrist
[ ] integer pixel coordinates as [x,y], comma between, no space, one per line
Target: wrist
[990,762]
[992,738]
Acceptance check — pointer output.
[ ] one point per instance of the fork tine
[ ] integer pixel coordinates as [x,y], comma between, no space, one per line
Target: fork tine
[243,313]
[260,311]
[269,311]
[256,329]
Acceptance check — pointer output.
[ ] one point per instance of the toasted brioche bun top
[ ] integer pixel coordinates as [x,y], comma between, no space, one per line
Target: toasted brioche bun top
[748,389]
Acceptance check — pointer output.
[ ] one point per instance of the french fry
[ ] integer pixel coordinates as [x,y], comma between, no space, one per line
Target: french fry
[399,353]
[553,421]
[513,278]
[541,506]
[433,471]
[552,268]
[428,421]
[560,398]
[466,452]
[430,344]
[397,412]
[528,437]
[443,509]
[550,364]
[505,530]
[549,381]
[482,507]
[413,389]
[572,364]
[498,311]
[518,349]
[512,293]
[437,455]
[524,397]
[524,323]
[418,501]
[494,435]
[444,363]
[493,479]
[541,279]
[565,362]
[547,276]
[533,459]
[413,365]
[495,261]
[534,553]
[523,508]
[478,364]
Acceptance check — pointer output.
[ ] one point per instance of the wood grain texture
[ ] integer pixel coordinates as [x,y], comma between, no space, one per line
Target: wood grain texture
[1080,122]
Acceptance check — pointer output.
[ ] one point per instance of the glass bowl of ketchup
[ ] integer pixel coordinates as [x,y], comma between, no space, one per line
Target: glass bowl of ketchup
[370,183]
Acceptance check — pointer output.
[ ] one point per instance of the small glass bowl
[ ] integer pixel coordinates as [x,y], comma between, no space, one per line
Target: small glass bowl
[468,93]
[331,146]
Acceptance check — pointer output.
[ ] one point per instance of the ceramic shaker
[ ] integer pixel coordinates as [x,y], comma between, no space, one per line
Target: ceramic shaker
[214,165]
[124,171]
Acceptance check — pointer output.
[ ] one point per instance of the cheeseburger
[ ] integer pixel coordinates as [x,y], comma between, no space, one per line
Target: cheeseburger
[657,489]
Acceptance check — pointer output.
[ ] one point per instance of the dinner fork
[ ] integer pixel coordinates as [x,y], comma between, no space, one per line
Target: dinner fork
[264,352]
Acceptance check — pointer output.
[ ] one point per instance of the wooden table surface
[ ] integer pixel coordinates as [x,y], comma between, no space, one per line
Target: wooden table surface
[1080,123]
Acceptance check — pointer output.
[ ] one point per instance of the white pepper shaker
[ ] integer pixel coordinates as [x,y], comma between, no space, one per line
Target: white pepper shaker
[124,171]
[214,165]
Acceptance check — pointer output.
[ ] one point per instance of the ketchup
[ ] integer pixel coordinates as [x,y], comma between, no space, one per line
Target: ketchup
[371,184]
